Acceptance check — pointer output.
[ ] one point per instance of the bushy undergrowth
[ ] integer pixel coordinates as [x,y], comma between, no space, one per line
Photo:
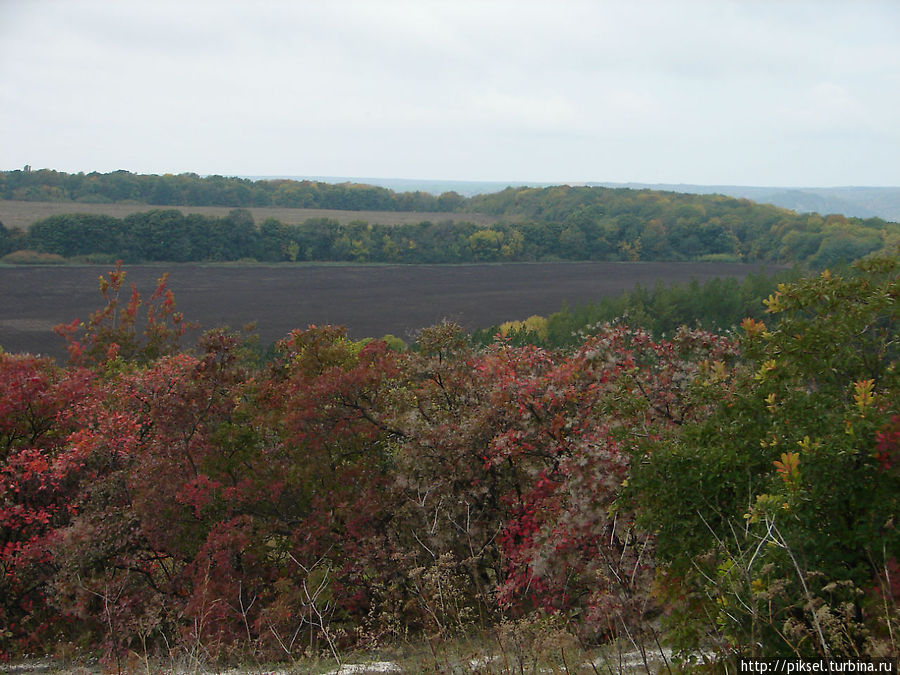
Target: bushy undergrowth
[743,491]
[717,305]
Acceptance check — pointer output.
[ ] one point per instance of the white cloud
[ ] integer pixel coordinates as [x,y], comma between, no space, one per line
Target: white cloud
[695,91]
[826,107]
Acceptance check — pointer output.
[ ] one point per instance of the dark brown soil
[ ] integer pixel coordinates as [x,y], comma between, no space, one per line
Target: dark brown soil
[371,300]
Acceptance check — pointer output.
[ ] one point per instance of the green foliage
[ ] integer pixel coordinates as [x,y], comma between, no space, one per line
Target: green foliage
[191,189]
[716,305]
[557,223]
[354,492]
[6,240]
[776,515]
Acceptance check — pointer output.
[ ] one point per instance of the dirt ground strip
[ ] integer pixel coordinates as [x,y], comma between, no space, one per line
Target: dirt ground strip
[21,214]
[370,300]
[630,663]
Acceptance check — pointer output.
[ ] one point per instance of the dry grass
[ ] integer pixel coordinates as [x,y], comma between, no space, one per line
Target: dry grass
[20,214]
[477,655]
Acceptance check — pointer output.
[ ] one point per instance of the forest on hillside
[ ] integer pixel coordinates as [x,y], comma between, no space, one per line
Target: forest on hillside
[189,189]
[532,224]
[728,494]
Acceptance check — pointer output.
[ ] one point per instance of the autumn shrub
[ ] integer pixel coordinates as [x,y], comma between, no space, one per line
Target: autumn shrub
[345,493]
[512,461]
[572,544]
[39,410]
[776,515]
[117,330]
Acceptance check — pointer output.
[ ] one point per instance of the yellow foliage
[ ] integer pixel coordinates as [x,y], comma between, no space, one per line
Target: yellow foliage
[766,368]
[772,303]
[863,394]
[753,327]
[534,323]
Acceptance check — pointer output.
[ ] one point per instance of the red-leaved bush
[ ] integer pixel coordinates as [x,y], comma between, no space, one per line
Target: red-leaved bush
[341,492]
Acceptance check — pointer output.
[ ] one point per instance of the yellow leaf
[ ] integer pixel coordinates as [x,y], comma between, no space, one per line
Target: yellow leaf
[806,443]
[752,326]
[864,395]
[773,302]
[766,368]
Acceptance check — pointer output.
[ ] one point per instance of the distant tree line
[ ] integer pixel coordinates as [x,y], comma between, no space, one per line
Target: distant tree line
[655,225]
[170,235]
[189,189]
[557,223]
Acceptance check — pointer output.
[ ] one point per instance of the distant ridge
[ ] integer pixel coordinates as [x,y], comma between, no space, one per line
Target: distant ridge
[466,188]
[860,202]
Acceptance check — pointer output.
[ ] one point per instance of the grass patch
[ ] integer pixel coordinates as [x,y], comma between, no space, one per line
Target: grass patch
[28,257]
[524,647]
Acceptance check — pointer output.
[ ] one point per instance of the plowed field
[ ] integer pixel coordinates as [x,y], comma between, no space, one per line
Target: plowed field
[371,300]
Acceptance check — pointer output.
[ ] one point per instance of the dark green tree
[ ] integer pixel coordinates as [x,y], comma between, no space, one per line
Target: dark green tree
[776,516]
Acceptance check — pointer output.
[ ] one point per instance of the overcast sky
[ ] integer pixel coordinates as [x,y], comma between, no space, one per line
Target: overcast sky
[759,92]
